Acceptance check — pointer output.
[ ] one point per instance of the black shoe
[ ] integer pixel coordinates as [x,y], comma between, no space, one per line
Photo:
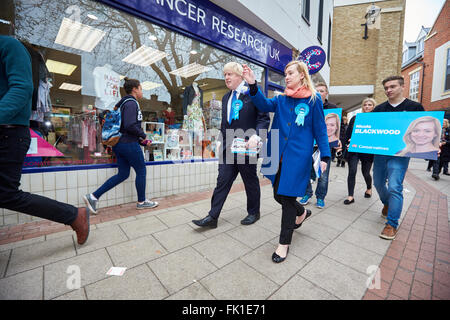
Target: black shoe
[447,174]
[346,201]
[435,176]
[308,213]
[207,221]
[277,259]
[250,219]
[367,195]
[428,169]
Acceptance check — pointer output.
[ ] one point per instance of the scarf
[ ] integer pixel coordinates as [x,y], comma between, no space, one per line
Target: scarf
[301,92]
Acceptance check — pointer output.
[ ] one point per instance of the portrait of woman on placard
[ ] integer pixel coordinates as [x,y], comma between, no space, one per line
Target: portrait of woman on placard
[422,139]
[333,129]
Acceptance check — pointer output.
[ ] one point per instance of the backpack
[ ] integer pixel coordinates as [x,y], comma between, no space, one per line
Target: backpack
[111,127]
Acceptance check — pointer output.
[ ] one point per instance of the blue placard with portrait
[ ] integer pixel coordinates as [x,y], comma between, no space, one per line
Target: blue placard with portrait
[402,134]
[333,122]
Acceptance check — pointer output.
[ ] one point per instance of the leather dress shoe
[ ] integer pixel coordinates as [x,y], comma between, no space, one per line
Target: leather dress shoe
[308,213]
[207,221]
[250,219]
[81,225]
[277,259]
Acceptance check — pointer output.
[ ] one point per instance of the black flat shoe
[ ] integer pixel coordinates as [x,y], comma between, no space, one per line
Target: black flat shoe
[277,259]
[346,201]
[308,213]
[250,219]
[367,195]
[207,221]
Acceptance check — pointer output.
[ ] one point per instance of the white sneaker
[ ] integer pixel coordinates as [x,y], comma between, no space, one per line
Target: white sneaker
[147,204]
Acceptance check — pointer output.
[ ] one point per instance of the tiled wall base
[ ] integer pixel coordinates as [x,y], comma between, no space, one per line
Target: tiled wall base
[70,186]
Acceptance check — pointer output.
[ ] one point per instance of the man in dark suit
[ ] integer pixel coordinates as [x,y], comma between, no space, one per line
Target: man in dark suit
[240,119]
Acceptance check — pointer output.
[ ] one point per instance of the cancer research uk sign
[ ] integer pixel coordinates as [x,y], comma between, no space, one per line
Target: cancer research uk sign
[207,20]
[402,134]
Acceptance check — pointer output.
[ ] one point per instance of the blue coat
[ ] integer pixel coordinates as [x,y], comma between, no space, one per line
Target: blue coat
[295,142]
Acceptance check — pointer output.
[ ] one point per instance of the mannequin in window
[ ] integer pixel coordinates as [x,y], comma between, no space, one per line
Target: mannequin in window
[192,107]
[169,116]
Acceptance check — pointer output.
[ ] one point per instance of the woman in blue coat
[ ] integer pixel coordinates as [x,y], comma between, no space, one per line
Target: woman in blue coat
[298,121]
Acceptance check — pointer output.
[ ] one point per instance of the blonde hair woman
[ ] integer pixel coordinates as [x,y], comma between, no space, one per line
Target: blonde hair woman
[298,120]
[353,158]
[422,138]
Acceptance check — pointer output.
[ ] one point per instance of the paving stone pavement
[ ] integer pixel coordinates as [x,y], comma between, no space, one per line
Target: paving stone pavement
[333,256]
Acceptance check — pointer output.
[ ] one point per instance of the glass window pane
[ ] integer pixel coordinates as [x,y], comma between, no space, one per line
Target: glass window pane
[88,48]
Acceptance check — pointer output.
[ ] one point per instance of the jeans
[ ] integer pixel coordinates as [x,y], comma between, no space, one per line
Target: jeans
[322,184]
[128,155]
[14,144]
[291,208]
[391,170]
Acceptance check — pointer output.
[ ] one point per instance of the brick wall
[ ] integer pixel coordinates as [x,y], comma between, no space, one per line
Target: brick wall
[441,36]
[355,61]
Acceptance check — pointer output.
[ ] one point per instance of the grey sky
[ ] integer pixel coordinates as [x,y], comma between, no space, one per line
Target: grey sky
[420,13]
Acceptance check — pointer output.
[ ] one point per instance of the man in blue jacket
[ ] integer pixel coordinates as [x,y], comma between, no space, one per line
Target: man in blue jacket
[239,118]
[16,90]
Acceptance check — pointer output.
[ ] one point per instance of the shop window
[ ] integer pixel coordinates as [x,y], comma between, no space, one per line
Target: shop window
[84,49]
[276,78]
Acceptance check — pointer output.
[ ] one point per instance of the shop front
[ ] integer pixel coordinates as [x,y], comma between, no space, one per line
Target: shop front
[82,49]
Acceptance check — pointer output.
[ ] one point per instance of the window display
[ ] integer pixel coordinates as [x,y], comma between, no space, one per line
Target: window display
[81,51]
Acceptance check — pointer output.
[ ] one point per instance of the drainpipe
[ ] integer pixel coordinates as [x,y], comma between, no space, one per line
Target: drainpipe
[423,80]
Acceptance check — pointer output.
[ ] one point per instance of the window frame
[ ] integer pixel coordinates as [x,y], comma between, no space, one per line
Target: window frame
[306,11]
[320,24]
[414,78]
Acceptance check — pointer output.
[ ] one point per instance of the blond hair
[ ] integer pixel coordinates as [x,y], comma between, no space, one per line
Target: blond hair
[410,145]
[371,100]
[303,68]
[338,124]
[233,67]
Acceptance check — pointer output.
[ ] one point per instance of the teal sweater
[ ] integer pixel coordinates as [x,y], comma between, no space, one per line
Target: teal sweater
[16,86]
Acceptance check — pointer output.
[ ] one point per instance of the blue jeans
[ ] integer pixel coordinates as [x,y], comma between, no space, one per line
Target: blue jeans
[128,155]
[391,170]
[322,184]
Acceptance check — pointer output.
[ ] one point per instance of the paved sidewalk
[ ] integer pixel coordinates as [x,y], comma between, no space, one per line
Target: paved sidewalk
[332,255]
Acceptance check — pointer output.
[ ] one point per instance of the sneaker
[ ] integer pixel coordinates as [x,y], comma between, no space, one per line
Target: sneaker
[435,176]
[90,203]
[147,205]
[388,233]
[305,200]
[320,203]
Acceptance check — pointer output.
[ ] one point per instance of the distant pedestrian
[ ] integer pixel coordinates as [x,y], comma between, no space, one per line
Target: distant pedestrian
[392,169]
[353,158]
[128,151]
[444,156]
[342,152]
[16,89]
[299,120]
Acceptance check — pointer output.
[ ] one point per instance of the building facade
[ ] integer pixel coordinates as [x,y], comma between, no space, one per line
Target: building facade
[367,43]
[84,49]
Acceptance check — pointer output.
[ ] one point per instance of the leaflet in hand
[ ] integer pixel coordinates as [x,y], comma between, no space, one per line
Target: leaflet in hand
[239,146]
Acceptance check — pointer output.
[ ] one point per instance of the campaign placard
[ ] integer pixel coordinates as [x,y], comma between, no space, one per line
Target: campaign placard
[333,122]
[402,134]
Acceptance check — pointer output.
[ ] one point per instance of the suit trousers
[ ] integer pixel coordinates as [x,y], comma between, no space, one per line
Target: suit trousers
[291,208]
[225,179]
[14,144]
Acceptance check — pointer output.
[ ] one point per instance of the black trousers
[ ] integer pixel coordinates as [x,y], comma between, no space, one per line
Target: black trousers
[225,179]
[14,144]
[290,207]
[366,165]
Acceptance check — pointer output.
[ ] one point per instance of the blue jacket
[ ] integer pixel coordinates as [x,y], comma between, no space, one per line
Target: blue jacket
[295,143]
[16,82]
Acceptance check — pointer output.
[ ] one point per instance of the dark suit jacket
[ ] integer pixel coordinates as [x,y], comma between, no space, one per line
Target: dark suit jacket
[250,121]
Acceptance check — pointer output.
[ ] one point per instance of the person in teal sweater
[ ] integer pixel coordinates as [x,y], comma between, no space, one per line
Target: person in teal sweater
[16,90]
